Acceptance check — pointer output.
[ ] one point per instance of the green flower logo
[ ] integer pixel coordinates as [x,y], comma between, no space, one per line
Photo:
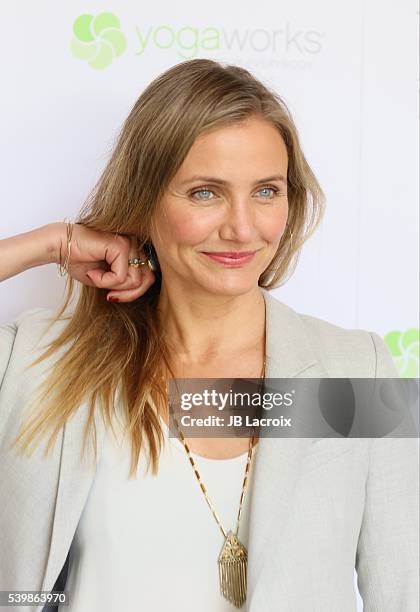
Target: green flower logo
[404,347]
[98,40]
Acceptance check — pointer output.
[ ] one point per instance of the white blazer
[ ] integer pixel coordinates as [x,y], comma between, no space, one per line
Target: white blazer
[321,508]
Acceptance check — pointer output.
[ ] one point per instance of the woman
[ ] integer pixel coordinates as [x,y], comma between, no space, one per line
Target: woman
[212,190]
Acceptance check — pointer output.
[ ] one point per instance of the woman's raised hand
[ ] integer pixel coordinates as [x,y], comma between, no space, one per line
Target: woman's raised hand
[100,259]
[97,258]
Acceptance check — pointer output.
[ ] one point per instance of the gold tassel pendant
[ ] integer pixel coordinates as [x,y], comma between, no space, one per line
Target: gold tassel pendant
[232,563]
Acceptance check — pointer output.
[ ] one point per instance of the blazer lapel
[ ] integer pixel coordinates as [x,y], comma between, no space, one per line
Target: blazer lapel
[278,461]
[75,479]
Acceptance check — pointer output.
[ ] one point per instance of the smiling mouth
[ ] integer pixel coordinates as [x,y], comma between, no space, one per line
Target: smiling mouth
[231,254]
[232,259]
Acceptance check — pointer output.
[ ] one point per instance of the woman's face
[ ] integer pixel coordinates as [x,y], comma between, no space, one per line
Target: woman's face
[229,195]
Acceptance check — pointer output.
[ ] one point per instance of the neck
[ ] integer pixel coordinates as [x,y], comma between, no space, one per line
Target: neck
[202,326]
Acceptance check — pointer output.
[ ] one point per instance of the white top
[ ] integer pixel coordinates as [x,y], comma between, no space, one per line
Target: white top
[152,543]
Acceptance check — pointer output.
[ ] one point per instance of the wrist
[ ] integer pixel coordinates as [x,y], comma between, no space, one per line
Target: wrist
[56,242]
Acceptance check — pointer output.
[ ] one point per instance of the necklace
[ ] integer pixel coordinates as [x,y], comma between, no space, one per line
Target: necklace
[233,558]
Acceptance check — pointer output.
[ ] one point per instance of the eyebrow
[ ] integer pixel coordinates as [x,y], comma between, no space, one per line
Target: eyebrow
[213,179]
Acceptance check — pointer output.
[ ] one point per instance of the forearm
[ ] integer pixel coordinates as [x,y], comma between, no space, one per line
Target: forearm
[30,249]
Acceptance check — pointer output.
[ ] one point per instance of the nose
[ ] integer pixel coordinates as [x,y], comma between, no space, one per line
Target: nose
[239,221]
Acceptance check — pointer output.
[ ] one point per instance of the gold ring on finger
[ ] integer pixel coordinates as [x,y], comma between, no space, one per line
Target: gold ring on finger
[135,262]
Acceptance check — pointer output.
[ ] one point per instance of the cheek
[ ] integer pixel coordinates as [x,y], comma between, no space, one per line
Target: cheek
[274,227]
[188,228]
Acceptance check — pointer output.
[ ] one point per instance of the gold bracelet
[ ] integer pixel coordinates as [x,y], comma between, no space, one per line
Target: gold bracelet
[64,268]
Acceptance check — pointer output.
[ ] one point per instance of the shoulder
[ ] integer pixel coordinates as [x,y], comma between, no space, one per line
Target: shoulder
[362,353]
[26,318]
[24,338]
[28,325]
[337,342]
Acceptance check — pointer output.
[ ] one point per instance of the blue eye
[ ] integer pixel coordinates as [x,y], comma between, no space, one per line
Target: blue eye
[270,189]
[201,191]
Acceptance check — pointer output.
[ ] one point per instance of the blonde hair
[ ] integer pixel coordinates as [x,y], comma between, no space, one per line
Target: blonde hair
[118,349]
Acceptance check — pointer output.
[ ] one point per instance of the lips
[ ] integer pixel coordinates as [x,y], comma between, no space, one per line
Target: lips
[230,254]
[232,259]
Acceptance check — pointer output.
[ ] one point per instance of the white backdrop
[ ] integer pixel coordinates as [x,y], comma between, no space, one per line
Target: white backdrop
[347,70]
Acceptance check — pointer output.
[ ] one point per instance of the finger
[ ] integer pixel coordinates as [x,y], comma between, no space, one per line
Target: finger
[130,295]
[96,275]
[101,279]
[116,256]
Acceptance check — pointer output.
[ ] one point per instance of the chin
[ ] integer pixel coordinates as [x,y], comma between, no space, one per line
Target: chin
[231,287]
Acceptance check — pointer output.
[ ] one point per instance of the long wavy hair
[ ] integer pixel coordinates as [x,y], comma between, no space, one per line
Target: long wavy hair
[112,354]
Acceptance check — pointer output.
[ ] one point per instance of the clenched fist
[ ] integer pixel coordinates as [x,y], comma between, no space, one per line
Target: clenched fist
[100,259]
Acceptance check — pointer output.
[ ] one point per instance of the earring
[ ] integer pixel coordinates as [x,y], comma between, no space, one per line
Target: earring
[151,262]
[151,256]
